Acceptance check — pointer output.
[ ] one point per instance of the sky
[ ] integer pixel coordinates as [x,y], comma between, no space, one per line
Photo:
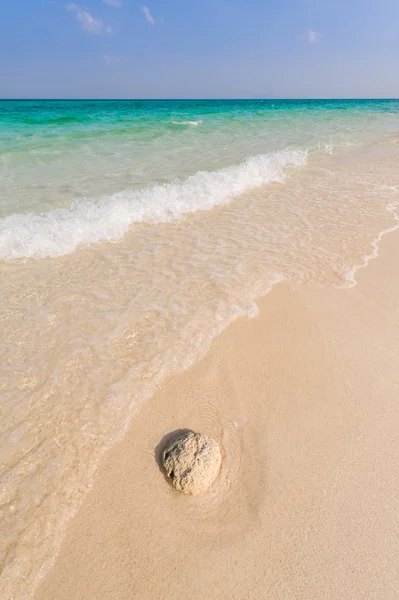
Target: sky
[199,48]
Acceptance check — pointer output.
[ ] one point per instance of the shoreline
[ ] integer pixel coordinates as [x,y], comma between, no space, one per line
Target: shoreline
[97,330]
[304,505]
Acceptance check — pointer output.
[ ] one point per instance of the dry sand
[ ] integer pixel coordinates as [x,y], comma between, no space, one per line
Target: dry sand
[304,401]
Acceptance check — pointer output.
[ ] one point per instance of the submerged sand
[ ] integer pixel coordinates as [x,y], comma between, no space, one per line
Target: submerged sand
[304,401]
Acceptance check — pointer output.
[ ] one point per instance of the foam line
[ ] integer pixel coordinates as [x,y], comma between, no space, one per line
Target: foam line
[88,221]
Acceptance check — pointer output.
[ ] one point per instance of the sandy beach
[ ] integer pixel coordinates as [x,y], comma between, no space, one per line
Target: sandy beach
[199,300]
[304,402]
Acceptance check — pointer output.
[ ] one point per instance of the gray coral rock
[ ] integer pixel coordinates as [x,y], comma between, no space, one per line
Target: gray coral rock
[192,462]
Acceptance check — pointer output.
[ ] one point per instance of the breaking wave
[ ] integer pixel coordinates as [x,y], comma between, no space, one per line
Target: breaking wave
[60,231]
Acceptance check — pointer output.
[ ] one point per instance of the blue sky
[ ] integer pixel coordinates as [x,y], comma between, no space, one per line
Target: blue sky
[199,48]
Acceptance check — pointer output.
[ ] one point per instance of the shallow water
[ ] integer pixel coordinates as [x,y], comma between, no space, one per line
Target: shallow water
[131,234]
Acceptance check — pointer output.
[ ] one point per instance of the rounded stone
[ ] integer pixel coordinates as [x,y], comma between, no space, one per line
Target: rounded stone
[192,462]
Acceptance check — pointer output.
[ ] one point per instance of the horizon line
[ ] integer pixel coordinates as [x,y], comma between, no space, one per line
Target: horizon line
[268,99]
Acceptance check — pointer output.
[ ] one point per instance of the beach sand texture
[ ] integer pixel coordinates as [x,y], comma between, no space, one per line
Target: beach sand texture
[128,244]
[303,400]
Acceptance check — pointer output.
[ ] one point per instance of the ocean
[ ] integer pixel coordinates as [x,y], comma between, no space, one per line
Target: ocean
[131,234]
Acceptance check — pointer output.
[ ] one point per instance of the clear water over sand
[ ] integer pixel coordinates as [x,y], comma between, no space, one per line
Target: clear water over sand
[131,233]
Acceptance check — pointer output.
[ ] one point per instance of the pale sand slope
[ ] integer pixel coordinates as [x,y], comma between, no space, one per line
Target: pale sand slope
[307,503]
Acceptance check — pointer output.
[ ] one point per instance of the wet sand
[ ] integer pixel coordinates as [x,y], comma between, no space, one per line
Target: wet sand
[304,400]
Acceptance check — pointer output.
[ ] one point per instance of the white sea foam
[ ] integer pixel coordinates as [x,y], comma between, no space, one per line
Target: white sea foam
[326,147]
[87,221]
[194,123]
[375,246]
[329,148]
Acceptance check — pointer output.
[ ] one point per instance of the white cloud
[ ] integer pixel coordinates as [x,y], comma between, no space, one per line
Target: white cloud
[87,21]
[147,14]
[113,60]
[313,37]
[116,3]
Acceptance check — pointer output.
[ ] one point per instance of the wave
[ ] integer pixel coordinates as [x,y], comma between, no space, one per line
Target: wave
[60,231]
[194,123]
[350,275]
[44,121]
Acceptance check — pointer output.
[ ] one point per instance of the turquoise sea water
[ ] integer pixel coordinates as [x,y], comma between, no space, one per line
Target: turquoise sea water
[55,152]
[132,233]
[95,154]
